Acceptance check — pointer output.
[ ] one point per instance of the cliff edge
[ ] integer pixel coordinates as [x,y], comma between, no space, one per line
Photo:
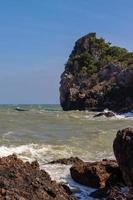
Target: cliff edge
[97,76]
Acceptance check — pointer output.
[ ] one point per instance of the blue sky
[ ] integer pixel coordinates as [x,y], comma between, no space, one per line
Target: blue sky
[37,36]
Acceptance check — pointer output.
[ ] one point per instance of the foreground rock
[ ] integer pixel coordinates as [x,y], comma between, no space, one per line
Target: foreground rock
[123,150]
[66,161]
[116,194]
[97,174]
[97,76]
[112,193]
[25,181]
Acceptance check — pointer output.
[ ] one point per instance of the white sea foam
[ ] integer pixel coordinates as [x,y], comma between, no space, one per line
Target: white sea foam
[61,173]
[42,153]
[128,114]
[19,150]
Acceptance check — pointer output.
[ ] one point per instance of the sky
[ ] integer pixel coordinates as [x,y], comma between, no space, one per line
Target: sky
[37,37]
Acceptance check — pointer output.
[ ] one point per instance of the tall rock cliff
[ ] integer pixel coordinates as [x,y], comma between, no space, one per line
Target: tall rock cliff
[97,75]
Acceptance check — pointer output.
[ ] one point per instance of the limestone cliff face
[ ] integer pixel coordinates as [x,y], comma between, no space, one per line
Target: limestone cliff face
[97,75]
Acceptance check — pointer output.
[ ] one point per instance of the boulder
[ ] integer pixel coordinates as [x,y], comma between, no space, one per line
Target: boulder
[25,181]
[97,174]
[123,150]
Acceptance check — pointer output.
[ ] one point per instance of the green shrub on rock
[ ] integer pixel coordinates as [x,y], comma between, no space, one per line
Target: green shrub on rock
[96,53]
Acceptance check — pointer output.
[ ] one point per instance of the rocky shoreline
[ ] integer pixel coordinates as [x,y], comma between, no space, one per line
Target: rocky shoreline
[25,181]
[110,176]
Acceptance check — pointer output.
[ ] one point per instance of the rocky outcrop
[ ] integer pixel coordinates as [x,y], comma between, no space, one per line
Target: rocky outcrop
[25,181]
[97,76]
[66,161]
[123,150]
[97,174]
[105,114]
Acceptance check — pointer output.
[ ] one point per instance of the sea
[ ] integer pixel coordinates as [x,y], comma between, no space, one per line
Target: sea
[46,133]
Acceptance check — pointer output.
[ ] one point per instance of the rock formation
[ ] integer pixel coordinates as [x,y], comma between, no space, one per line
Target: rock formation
[97,174]
[66,161]
[97,76]
[25,181]
[105,114]
[123,150]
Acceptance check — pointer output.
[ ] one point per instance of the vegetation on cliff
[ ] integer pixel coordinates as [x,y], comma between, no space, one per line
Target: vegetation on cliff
[95,56]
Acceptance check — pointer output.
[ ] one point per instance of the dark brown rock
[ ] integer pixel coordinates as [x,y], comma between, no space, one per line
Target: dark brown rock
[24,181]
[66,188]
[123,150]
[115,193]
[66,161]
[97,174]
[100,193]
[112,193]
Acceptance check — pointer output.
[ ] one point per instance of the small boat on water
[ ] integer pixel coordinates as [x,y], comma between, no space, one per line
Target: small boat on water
[20,109]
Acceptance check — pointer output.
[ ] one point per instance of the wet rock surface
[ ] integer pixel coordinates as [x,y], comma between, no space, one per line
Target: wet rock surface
[24,181]
[97,174]
[66,161]
[123,150]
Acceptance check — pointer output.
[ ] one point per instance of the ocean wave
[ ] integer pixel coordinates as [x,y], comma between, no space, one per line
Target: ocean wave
[42,153]
[46,153]
[86,115]
[7,134]
[128,114]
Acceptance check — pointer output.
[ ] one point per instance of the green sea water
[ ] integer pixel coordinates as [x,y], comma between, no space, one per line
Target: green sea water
[45,133]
